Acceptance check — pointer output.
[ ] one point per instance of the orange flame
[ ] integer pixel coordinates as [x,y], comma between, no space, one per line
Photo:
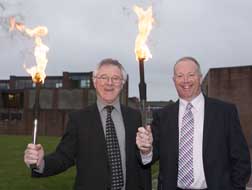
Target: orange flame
[145,21]
[37,72]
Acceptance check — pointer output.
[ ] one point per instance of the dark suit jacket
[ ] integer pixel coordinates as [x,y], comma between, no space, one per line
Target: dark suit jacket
[226,157]
[84,144]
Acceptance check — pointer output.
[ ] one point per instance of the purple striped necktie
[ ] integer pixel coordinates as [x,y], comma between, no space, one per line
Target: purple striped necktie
[185,163]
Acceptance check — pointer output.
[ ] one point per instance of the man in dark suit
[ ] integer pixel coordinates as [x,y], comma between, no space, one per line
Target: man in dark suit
[198,140]
[88,144]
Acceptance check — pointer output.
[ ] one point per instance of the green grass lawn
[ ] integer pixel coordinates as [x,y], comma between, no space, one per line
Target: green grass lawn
[14,175]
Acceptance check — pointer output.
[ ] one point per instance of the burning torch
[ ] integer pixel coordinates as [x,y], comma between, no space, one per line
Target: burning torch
[142,53]
[37,72]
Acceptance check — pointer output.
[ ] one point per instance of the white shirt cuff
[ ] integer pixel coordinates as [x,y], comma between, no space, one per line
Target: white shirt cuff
[146,158]
[41,167]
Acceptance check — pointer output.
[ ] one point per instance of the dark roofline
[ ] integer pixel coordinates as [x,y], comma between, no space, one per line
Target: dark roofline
[4,81]
[78,73]
[54,77]
[232,67]
[20,77]
[48,76]
[29,77]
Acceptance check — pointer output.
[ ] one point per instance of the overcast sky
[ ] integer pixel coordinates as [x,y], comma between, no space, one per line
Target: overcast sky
[82,32]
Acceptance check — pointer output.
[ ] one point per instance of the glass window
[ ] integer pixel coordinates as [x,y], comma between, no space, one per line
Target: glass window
[80,81]
[53,83]
[59,85]
[4,86]
[85,83]
[13,100]
[21,84]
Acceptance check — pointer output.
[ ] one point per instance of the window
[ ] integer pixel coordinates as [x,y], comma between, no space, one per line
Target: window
[59,85]
[10,116]
[85,83]
[4,86]
[53,83]
[15,116]
[12,100]
[80,81]
[21,84]
[4,116]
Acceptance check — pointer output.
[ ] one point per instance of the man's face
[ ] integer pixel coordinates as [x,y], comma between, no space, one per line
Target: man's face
[108,83]
[187,80]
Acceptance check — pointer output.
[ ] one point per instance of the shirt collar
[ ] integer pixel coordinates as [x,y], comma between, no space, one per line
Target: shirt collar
[101,105]
[196,102]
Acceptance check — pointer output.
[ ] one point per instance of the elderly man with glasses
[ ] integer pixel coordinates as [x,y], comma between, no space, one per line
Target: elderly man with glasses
[99,140]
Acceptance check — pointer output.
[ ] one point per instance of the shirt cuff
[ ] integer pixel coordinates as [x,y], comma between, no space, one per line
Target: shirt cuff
[41,168]
[146,158]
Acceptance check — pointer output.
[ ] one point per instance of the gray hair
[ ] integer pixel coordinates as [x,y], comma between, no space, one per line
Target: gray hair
[113,62]
[189,59]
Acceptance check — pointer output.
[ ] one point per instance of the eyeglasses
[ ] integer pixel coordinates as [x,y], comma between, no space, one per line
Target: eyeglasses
[116,80]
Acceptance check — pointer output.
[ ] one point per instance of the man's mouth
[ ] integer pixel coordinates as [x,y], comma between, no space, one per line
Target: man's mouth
[186,87]
[109,89]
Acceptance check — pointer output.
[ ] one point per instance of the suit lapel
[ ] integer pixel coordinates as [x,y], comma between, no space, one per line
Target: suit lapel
[99,137]
[97,124]
[206,127]
[126,121]
[175,126]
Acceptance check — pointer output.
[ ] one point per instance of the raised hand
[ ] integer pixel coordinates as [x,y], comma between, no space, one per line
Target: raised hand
[144,139]
[34,154]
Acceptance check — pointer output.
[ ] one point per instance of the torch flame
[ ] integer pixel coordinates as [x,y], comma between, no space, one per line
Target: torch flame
[145,20]
[37,72]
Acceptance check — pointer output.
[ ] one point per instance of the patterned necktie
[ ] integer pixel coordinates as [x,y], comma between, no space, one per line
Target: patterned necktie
[113,150]
[185,168]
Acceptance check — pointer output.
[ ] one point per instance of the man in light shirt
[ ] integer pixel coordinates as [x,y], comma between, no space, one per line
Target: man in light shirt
[200,147]
[103,161]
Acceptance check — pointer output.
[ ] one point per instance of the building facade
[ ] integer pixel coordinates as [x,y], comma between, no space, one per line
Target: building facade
[233,84]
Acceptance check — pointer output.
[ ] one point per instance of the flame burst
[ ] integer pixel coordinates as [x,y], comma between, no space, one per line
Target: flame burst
[145,21]
[37,72]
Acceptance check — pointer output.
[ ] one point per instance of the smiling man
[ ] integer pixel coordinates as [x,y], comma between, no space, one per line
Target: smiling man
[198,140]
[187,78]
[99,140]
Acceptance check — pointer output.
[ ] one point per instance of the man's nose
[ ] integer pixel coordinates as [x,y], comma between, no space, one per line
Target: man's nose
[109,81]
[186,78]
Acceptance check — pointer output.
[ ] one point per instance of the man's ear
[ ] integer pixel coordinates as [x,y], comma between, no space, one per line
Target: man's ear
[201,79]
[122,86]
[123,83]
[173,78]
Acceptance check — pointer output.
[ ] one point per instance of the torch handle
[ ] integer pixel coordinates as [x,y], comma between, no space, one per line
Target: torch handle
[36,110]
[142,85]
[34,139]
[143,113]
[35,127]
[142,92]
